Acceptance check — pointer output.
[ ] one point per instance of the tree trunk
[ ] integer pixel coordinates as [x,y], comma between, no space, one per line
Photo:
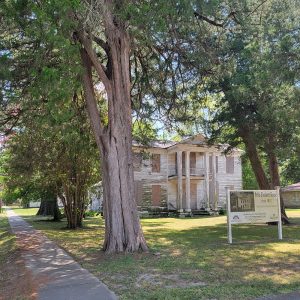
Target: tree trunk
[275,177]
[49,207]
[122,225]
[254,158]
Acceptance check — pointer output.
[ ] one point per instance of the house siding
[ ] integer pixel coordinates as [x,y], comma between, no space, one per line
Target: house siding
[166,178]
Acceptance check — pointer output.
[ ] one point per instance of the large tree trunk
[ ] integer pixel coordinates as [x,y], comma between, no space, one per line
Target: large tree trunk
[122,225]
[254,158]
[275,177]
[259,171]
[49,207]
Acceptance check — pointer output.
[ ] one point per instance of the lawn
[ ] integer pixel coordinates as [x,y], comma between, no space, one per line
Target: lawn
[7,241]
[189,258]
[15,281]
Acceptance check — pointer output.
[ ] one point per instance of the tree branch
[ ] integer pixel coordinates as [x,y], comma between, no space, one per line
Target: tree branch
[215,23]
[90,97]
[101,43]
[87,43]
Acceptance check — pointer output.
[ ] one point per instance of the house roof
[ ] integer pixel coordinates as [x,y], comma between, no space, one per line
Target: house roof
[155,144]
[199,140]
[292,188]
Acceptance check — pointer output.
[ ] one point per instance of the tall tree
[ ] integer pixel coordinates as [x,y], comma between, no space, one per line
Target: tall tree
[47,45]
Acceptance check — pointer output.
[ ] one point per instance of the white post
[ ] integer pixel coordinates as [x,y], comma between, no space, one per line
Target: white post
[179,181]
[187,182]
[214,175]
[229,229]
[206,179]
[279,214]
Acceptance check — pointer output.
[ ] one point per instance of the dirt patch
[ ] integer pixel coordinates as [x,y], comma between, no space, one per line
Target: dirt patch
[166,280]
[16,282]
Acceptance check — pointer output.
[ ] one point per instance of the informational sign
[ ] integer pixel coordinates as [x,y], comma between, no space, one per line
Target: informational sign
[252,207]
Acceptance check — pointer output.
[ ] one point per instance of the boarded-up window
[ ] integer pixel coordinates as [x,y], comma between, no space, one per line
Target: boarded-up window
[230,164]
[193,195]
[156,163]
[210,164]
[138,191]
[156,195]
[193,162]
[137,161]
[217,164]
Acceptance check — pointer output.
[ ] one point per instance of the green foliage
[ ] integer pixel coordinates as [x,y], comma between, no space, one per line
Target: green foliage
[291,170]
[143,132]
[249,180]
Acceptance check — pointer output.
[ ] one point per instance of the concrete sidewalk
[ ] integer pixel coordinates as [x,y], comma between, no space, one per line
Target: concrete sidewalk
[57,275]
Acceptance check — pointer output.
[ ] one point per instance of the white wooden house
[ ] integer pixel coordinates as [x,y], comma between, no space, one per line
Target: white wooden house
[291,195]
[186,176]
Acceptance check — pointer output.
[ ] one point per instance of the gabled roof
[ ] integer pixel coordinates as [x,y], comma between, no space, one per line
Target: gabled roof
[197,140]
[155,144]
[292,188]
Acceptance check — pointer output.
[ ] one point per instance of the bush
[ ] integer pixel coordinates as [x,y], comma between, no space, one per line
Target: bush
[91,213]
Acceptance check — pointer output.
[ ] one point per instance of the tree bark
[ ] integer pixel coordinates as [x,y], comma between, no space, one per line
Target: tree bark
[254,158]
[258,170]
[49,207]
[275,177]
[122,225]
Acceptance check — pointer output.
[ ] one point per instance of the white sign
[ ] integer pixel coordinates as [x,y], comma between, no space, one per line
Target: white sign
[258,206]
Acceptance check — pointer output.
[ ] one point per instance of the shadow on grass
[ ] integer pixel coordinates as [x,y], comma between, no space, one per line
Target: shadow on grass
[256,264]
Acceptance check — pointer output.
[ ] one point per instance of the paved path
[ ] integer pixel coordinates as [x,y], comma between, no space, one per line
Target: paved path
[288,296]
[57,275]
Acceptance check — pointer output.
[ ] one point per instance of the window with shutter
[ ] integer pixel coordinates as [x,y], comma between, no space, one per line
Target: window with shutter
[137,161]
[156,163]
[217,164]
[156,195]
[138,189]
[210,164]
[230,164]
[193,163]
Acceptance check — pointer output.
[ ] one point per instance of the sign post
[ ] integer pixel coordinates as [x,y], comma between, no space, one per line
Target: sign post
[279,213]
[252,207]
[229,228]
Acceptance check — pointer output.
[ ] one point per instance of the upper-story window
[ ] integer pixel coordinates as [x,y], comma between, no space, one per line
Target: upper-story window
[229,164]
[137,161]
[155,163]
[193,163]
[211,164]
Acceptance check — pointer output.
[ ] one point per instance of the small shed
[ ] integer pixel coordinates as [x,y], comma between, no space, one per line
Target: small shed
[291,195]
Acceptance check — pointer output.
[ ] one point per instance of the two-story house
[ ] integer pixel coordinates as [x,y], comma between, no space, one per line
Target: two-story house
[185,176]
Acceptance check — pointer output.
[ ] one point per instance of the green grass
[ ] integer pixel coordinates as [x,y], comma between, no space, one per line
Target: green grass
[7,239]
[7,248]
[189,258]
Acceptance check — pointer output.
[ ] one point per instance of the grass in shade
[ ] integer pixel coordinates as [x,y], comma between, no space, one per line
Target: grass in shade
[188,258]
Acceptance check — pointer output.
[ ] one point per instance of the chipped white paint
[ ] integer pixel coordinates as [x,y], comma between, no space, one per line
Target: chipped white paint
[176,180]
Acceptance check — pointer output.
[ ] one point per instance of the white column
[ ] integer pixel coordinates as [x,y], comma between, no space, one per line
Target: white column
[214,176]
[206,179]
[179,181]
[187,182]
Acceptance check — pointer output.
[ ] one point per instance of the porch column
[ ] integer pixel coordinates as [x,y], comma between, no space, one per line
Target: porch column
[206,179]
[214,185]
[179,181]
[187,182]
